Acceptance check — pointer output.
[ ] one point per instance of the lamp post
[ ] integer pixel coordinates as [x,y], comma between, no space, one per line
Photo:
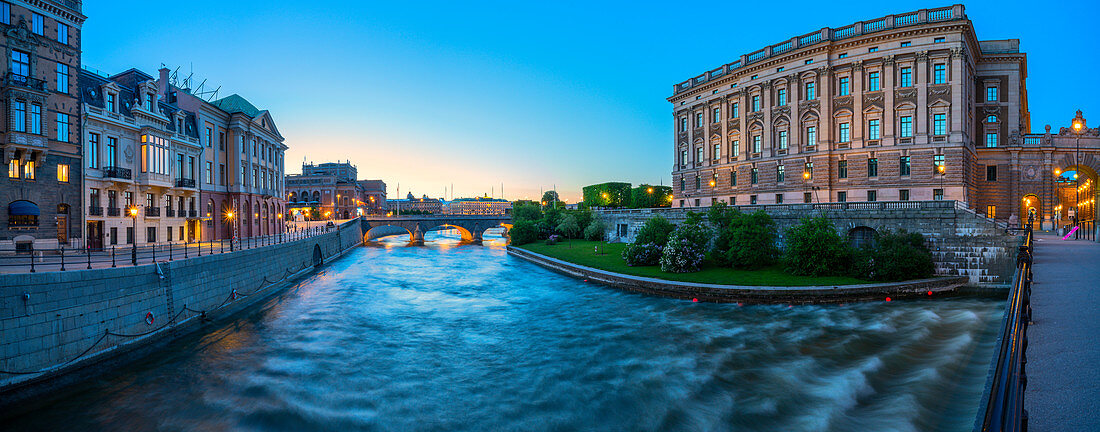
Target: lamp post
[943,173]
[133,211]
[1078,129]
[229,217]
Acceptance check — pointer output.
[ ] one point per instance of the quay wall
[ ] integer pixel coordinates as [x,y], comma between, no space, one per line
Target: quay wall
[963,243]
[54,324]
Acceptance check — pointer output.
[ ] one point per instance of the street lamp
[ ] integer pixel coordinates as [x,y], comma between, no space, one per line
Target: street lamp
[229,216]
[1078,129]
[943,173]
[133,212]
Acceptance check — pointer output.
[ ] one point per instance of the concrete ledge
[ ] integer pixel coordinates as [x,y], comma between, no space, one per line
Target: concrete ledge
[939,286]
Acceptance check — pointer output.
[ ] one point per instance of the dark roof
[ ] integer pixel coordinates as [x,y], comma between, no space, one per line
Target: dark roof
[234,103]
[89,83]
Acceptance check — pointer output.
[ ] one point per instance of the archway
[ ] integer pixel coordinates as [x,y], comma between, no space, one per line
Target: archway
[464,233]
[377,232]
[1031,205]
[1075,193]
[861,236]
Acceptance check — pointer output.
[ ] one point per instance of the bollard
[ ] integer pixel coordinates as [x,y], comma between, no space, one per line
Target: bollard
[89,254]
[113,256]
[185,250]
[170,250]
[221,243]
[32,259]
[63,258]
[154,252]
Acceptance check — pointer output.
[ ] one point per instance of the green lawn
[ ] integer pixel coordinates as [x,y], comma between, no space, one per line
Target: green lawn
[582,252]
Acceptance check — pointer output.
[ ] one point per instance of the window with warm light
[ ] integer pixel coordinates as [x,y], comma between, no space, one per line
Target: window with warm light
[28,170]
[63,173]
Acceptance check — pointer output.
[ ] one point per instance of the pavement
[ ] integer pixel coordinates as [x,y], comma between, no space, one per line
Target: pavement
[1063,369]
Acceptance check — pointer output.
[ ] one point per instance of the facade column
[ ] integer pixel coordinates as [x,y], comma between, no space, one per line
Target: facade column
[922,123]
[888,117]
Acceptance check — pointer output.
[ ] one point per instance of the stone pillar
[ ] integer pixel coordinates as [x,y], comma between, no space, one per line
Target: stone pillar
[416,236]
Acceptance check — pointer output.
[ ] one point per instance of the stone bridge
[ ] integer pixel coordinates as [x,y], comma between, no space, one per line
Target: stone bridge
[470,226]
[963,243]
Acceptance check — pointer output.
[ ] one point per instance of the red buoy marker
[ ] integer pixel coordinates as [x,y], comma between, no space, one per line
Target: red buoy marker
[930,293]
[695,300]
[888,299]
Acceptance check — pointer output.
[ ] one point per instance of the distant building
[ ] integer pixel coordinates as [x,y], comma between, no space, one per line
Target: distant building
[40,197]
[332,188]
[411,203]
[479,206]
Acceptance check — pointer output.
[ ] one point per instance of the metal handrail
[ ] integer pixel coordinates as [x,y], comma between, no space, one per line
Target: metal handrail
[1004,408]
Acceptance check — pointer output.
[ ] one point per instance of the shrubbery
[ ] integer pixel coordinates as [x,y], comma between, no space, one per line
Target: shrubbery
[523,232]
[813,248]
[595,230]
[642,254]
[656,231]
[686,248]
[748,241]
[895,256]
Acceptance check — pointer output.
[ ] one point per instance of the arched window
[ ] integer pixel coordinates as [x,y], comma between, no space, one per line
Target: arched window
[861,236]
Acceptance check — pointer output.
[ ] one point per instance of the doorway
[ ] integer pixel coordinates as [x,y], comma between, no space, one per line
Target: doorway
[95,235]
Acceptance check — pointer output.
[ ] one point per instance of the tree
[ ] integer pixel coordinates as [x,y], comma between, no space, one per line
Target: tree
[527,212]
[656,231]
[610,194]
[523,232]
[595,230]
[550,198]
[896,256]
[649,196]
[568,227]
[751,240]
[813,248]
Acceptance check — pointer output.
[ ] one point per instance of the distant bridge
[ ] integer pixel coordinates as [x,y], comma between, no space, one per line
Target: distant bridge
[470,226]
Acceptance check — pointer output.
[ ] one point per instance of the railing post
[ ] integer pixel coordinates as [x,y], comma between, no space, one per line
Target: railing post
[32,258]
[113,247]
[89,254]
[170,251]
[185,250]
[154,252]
[62,258]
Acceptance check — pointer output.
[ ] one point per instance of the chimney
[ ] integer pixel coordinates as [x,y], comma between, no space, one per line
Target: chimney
[163,74]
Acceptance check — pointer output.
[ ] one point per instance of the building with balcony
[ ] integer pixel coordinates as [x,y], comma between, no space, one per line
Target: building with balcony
[142,157]
[40,141]
[332,190]
[483,205]
[909,106]
[240,174]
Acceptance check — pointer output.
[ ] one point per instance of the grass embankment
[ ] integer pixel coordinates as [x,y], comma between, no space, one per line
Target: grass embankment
[582,252]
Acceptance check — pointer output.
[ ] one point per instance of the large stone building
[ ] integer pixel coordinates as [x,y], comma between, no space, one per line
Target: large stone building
[142,159]
[482,205]
[909,106]
[241,171]
[333,191]
[40,142]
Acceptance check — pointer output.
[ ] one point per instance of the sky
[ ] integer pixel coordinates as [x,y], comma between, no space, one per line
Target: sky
[528,95]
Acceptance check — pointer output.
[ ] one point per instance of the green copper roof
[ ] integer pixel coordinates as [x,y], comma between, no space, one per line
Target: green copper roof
[234,103]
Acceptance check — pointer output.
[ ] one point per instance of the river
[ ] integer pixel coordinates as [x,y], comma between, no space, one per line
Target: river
[465,338]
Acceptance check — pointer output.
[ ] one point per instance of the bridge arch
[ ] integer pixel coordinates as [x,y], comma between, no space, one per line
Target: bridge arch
[383,230]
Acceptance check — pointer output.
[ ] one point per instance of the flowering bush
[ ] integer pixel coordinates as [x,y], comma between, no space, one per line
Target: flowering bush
[553,239]
[686,249]
[645,254]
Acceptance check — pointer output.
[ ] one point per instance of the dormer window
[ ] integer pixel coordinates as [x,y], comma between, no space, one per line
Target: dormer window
[111,103]
[149,101]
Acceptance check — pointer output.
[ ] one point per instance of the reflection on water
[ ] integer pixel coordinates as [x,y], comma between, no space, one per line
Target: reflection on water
[449,337]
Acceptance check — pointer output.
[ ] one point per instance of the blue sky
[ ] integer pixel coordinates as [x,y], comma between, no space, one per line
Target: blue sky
[528,94]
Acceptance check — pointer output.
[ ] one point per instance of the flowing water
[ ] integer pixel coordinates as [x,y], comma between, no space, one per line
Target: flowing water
[465,338]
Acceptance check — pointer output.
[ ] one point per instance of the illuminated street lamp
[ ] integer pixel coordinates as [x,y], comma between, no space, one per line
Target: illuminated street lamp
[133,212]
[229,217]
[942,169]
[1078,129]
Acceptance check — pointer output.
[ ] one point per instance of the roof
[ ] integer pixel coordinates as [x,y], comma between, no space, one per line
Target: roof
[234,103]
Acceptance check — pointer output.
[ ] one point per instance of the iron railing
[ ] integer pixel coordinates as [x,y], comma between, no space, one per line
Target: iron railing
[152,211]
[1004,408]
[113,211]
[170,212]
[95,211]
[30,260]
[185,182]
[116,172]
[26,81]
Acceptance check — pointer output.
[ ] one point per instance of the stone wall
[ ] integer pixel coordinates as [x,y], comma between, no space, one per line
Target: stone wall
[49,319]
[963,243]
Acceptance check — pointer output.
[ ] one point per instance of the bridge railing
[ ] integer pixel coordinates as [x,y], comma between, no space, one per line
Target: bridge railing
[1003,407]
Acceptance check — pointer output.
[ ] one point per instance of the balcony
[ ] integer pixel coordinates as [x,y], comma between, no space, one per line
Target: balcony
[116,172]
[113,211]
[168,212]
[185,182]
[152,211]
[14,79]
[95,211]
[191,213]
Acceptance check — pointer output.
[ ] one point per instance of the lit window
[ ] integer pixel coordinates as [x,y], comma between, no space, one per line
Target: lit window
[734,110]
[782,93]
[717,151]
[736,148]
[13,168]
[809,61]
[872,49]
[810,91]
[906,77]
[63,173]
[872,167]
[698,123]
[844,89]
[780,174]
[19,116]
[756,103]
[811,135]
[905,44]
[991,212]
[937,162]
[991,119]
[28,170]
[939,40]
[939,73]
[844,55]
[939,124]
[845,133]
[873,129]
[782,140]
[779,69]
[717,115]
[906,126]
[755,175]
[991,94]
[36,119]
[872,81]
[991,139]
[757,144]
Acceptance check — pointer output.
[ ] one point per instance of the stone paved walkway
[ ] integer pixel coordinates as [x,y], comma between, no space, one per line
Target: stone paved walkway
[1063,369]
